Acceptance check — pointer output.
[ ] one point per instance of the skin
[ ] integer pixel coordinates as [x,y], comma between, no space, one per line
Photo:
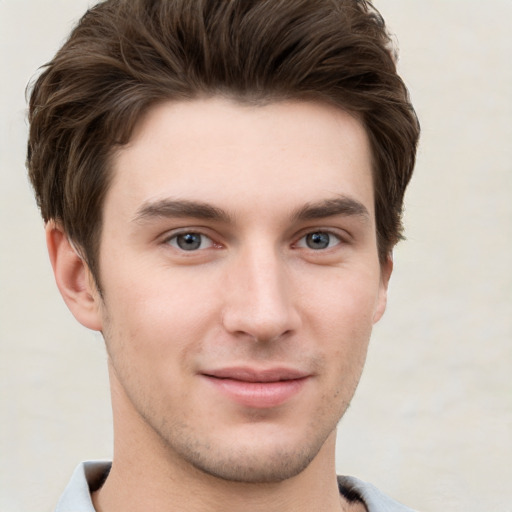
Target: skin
[286,278]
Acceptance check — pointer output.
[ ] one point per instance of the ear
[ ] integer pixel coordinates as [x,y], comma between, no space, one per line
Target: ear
[73,278]
[386,268]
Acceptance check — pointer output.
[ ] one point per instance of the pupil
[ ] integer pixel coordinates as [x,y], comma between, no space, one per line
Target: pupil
[189,241]
[318,240]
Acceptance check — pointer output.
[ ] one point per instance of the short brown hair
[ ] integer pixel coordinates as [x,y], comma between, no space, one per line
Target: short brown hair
[126,55]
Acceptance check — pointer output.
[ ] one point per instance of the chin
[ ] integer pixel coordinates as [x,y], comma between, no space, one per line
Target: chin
[259,468]
[262,457]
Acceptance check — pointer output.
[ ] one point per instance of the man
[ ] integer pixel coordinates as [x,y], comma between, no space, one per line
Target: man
[222,185]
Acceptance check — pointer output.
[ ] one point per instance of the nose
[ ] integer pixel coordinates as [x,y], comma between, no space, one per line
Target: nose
[260,300]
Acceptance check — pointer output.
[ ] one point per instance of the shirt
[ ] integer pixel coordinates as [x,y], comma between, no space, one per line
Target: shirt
[89,476]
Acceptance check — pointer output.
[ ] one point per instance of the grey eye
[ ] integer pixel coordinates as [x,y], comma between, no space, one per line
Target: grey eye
[190,241]
[318,240]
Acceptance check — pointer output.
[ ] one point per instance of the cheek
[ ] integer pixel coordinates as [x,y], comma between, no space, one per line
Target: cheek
[154,313]
[344,304]
[340,319]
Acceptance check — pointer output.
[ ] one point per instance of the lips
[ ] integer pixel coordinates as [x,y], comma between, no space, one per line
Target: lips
[257,388]
[253,375]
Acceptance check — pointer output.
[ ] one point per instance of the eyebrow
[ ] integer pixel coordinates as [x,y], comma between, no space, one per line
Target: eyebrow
[167,208]
[345,206]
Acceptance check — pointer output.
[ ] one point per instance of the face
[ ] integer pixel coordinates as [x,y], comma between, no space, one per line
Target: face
[240,280]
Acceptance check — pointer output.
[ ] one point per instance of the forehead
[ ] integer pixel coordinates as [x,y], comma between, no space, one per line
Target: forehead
[233,154]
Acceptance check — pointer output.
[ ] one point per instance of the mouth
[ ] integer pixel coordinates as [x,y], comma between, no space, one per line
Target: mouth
[257,388]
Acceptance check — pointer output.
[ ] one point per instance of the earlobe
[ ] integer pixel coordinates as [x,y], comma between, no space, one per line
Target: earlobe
[73,278]
[386,269]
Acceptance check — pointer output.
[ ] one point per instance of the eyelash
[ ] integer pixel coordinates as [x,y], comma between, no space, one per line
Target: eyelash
[174,242]
[203,237]
[330,234]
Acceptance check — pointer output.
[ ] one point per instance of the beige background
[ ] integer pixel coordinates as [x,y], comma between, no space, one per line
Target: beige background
[432,421]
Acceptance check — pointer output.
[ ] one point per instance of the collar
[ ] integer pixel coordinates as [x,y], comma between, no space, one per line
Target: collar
[89,476]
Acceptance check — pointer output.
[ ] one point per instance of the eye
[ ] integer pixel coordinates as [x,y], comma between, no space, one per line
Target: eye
[319,240]
[190,241]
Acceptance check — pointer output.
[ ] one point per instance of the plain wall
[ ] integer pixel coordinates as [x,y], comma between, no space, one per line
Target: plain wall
[431,423]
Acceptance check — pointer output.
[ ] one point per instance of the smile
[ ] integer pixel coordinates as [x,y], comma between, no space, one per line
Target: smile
[257,389]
